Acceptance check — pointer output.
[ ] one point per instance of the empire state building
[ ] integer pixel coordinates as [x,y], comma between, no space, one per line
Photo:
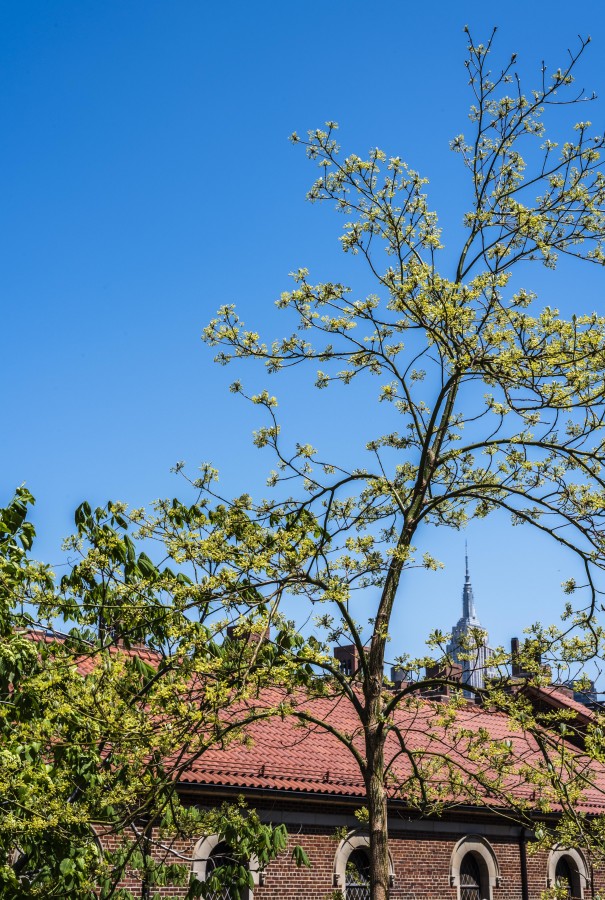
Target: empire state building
[468,646]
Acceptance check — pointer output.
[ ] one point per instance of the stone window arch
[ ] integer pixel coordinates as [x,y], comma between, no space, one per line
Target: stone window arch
[207,854]
[351,867]
[474,869]
[568,866]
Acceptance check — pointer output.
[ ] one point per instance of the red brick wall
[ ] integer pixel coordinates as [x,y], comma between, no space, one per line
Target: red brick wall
[421,863]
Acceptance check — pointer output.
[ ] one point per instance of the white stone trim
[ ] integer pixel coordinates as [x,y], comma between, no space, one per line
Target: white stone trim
[483,852]
[203,851]
[355,840]
[579,869]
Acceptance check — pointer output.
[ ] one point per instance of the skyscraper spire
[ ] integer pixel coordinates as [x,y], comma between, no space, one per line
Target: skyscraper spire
[468,602]
[469,643]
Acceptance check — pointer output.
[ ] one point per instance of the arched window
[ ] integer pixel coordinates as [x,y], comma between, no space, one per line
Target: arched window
[564,876]
[474,869]
[221,856]
[357,876]
[209,854]
[470,878]
[352,867]
[567,869]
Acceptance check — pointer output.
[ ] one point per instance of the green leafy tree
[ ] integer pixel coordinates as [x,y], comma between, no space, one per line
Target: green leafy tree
[491,401]
[99,720]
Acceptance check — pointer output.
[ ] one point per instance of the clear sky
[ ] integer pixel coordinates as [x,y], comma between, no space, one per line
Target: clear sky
[147,179]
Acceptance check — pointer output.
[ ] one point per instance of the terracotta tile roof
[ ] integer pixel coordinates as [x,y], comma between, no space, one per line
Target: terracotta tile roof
[557,699]
[87,663]
[281,754]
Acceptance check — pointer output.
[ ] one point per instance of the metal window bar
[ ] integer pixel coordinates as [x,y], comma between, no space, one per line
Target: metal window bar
[470,879]
[221,856]
[357,879]
[563,876]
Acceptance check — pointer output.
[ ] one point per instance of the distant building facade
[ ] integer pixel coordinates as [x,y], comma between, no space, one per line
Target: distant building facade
[468,646]
[307,781]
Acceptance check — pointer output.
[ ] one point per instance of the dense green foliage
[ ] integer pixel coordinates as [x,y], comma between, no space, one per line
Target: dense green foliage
[99,719]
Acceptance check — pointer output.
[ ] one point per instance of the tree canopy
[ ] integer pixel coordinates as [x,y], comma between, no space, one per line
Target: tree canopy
[491,400]
[113,681]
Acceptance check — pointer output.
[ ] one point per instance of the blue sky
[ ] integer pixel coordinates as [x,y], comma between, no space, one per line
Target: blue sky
[147,179]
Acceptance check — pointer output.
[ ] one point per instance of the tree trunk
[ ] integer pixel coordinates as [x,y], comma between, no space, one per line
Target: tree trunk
[375,733]
[377,809]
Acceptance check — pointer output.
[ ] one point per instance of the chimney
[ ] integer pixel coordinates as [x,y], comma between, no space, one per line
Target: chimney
[564,689]
[348,658]
[449,671]
[239,633]
[514,656]
[399,677]
[518,671]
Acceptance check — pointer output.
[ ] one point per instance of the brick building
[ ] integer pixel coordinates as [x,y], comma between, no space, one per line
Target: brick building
[305,779]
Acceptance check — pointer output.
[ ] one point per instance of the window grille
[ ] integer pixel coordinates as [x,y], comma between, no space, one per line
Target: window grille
[357,878]
[563,876]
[470,879]
[221,856]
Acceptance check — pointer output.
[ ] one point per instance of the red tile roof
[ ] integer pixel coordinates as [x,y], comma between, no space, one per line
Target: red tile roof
[281,754]
[87,663]
[559,700]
